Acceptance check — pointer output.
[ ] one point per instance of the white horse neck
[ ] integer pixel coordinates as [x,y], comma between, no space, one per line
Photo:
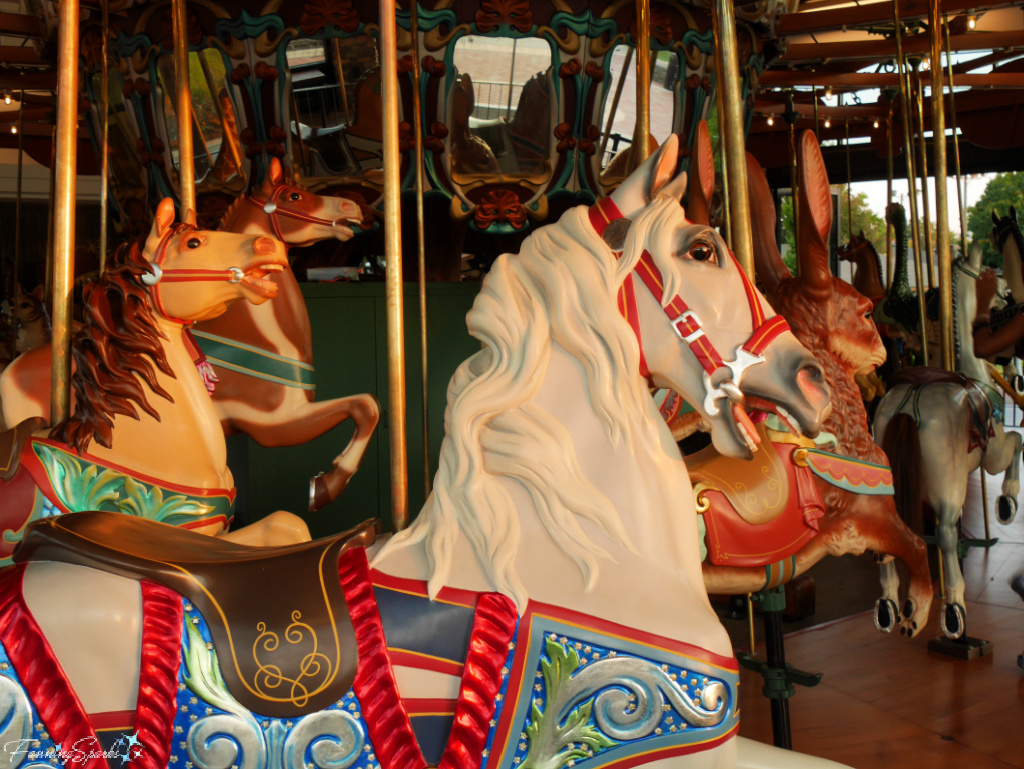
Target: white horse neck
[654,499]
[186,445]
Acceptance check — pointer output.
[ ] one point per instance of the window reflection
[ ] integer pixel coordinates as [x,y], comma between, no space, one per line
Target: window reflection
[501,107]
[618,116]
[339,120]
[214,127]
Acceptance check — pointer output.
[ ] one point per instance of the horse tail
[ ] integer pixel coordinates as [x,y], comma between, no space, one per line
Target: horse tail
[902,445]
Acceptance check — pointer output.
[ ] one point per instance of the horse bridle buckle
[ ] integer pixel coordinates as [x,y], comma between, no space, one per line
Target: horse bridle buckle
[730,386]
[694,335]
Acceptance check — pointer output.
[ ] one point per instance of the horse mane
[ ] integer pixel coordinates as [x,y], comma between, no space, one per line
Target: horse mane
[560,289]
[872,252]
[110,353]
[231,210]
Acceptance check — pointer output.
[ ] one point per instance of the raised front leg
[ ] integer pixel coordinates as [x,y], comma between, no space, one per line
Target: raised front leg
[1003,454]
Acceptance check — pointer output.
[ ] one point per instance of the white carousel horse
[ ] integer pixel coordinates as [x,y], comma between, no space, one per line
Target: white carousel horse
[560,542]
[937,428]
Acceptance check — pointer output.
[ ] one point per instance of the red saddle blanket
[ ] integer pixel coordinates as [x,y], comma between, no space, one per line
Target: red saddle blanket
[759,512]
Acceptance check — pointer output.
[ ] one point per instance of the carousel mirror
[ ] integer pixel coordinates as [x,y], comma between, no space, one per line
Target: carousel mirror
[217,148]
[338,121]
[501,108]
[618,113]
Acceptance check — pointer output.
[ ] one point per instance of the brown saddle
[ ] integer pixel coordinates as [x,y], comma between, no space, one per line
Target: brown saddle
[927,375]
[756,512]
[981,408]
[278,616]
[12,443]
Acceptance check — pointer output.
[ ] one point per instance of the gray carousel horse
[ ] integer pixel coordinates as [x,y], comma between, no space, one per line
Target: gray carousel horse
[938,427]
[546,609]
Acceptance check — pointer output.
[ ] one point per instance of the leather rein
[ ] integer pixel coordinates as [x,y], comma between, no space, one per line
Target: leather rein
[687,324]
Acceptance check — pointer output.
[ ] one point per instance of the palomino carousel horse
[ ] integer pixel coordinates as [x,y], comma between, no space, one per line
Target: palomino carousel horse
[937,427]
[834,321]
[164,461]
[549,595]
[262,354]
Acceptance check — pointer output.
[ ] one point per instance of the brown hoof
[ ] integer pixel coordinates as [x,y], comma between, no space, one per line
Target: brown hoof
[319,496]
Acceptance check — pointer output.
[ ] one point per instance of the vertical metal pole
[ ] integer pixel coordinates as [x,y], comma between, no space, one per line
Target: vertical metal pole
[183,109]
[720,106]
[17,201]
[511,79]
[739,202]
[945,266]
[393,255]
[849,183]
[956,146]
[615,105]
[421,246]
[338,62]
[105,134]
[52,210]
[908,156]
[303,155]
[814,92]
[233,148]
[775,653]
[922,170]
[643,82]
[790,116]
[64,210]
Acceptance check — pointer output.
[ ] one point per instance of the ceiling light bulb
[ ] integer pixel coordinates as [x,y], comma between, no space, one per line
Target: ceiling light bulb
[7,97]
[972,22]
[828,123]
[771,120]
[14,129]
[828,92]
[876,124]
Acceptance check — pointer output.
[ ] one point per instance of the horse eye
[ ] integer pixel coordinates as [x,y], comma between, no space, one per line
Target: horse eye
[702,252]
[194,243]
[295,196]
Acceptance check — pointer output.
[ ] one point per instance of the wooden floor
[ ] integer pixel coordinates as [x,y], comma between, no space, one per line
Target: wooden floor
[888,701]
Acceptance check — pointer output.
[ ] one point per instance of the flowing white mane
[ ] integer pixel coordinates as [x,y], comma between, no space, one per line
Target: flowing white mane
[560,289]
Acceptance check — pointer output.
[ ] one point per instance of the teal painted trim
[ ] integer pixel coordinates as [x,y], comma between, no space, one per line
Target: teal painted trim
[252,361]
[248,27]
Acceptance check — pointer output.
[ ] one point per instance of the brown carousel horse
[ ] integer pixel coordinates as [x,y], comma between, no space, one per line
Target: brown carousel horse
[119,451]
[261,355]
[837,504]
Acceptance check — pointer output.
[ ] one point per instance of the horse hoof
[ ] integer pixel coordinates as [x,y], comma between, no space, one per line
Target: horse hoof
[953,620]
[886,615]
[1018,384]
[318,494]
[1006,509]
[908,609]
[1020,662]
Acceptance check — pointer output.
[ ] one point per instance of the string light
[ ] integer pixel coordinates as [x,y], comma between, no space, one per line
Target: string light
[14,129]
[828,92]
[771,120]
[876,124]
[7,97]
[972,21]
[828,123]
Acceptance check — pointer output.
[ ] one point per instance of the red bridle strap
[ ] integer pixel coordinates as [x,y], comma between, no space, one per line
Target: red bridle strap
[273,210]
[684,320]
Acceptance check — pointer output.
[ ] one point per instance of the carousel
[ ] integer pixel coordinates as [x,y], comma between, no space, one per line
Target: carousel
[597,390]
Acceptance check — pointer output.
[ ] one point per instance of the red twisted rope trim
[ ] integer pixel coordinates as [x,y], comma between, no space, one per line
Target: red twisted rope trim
[40,673]
[386,719]
[493,625]
[158,675]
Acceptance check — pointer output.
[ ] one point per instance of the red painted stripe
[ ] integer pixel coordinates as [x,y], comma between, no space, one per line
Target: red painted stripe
[113,720]
[603,213]
[411,659]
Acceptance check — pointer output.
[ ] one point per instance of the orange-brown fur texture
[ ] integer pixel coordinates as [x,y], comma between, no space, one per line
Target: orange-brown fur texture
[117,346]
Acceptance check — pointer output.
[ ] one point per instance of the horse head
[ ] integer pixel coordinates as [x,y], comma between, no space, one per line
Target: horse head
[1006,237]
[300,217]
[195,274]
[827,314]
[747,357]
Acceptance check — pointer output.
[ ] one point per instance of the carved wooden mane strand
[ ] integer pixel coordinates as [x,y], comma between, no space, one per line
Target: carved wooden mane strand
[110,353]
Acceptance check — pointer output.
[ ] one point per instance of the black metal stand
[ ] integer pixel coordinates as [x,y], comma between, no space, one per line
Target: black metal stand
[779,677]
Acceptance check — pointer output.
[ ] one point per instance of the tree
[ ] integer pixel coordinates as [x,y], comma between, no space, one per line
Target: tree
[864,219]
[1002,191]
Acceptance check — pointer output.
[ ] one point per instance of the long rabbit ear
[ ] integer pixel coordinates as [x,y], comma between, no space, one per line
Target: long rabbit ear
[640,187]
[815,218]
[767,260]
[702,177]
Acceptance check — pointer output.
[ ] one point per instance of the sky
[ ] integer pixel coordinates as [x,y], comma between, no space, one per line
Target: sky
[875,192]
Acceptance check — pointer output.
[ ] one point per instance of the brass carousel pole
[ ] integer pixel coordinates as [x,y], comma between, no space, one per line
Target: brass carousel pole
[849,183]
[956,151]
[105,134]
[393,269]
[922,170]
[945,267]
[336,58]
[790,116]
[814,101]
[64,208]
[421,251]
[908,155]
[183,108]
[720,106]
[723,14]
[17,201]
[52,211]
[643,82]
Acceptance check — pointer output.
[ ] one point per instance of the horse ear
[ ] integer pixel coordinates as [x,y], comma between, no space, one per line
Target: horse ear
[862,234]
[161,224]
[815,217]
[995,217]
[770,268]
[275,173]
[38,292]
[974,260]
[640,187]
[702,177]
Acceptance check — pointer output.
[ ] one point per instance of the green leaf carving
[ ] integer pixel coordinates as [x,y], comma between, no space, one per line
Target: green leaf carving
[203,676]
[553,745]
